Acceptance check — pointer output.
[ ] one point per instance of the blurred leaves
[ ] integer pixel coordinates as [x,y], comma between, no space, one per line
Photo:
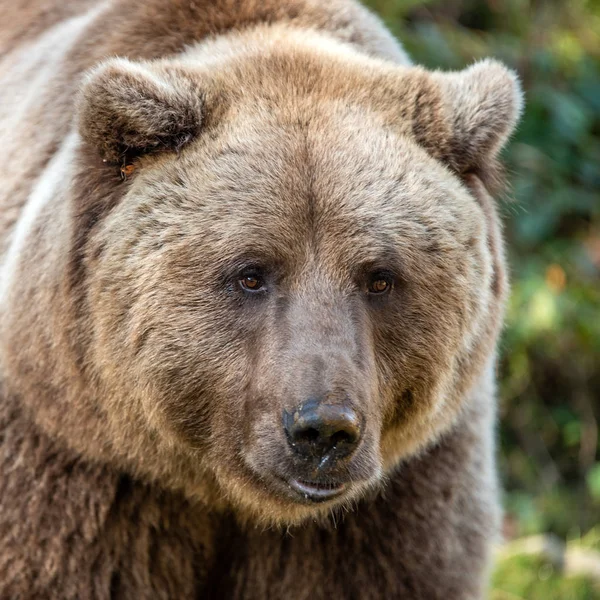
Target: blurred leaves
[550,353]
[593,481]
[525,577]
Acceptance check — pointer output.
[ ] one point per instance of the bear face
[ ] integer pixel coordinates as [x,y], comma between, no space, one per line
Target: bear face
[302,294]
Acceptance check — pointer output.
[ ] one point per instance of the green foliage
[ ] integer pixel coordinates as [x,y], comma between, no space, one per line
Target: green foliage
[550,353]
[590,540]
[525,577]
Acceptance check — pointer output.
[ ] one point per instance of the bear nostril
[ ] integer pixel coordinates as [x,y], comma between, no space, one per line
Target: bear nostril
[317,430]
[309,435]
[341,437]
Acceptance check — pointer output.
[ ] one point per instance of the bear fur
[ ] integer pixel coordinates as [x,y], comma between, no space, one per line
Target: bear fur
[156,150]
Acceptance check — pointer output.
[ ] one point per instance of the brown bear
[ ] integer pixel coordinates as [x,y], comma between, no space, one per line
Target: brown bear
[251,283]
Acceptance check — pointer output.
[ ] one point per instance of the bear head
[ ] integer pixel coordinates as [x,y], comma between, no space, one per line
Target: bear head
[301,279]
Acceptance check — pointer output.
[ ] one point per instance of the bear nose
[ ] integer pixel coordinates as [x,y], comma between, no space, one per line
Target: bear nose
[318,430]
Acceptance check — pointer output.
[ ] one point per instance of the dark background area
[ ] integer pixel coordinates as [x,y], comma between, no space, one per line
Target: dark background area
[549,447]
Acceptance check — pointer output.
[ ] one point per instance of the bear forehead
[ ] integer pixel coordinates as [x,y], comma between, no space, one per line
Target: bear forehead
[268,181]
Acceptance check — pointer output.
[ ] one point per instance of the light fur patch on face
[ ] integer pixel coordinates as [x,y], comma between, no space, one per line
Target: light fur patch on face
[30,88]
[54,178]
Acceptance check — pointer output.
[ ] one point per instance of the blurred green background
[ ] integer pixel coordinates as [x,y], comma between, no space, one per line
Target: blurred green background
[550,353]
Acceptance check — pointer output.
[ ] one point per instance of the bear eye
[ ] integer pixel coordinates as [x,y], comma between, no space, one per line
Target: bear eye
[379,284]
[252,282]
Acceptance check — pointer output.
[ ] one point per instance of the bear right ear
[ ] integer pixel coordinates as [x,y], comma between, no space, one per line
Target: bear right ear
[127,109]
[483,104]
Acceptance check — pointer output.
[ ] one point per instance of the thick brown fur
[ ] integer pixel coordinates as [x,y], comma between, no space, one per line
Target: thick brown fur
[155,151]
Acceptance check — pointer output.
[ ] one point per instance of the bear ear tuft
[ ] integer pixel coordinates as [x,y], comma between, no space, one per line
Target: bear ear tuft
[127,109]
[483,104]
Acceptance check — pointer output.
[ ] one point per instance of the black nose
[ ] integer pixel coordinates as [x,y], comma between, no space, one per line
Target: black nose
[318,430]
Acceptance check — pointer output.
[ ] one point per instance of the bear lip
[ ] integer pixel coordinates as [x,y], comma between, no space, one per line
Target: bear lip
[316,491]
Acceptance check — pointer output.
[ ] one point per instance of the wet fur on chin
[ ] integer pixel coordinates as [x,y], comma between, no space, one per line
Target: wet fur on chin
[256,511]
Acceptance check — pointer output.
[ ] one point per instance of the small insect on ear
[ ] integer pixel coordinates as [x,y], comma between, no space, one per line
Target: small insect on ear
[127,109]
[483,104]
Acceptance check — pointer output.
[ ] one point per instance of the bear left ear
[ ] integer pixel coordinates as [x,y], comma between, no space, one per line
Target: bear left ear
[483,104]
[127,109]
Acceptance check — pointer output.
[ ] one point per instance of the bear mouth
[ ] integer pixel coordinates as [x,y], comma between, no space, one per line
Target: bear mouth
[316,491]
